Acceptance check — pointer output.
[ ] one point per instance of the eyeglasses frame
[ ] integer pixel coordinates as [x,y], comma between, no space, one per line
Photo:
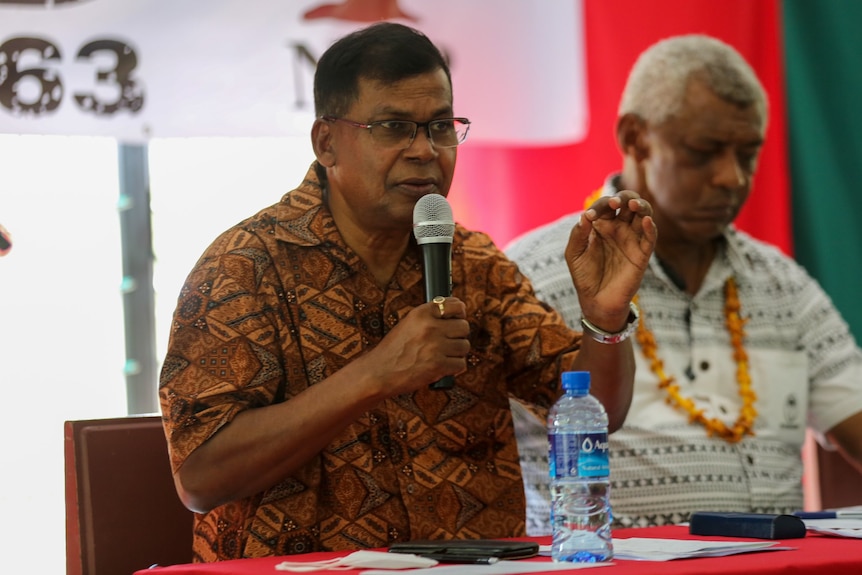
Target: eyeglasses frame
[417,125]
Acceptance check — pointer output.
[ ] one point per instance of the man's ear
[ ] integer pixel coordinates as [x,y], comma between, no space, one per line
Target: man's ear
[631,136]
[321,141]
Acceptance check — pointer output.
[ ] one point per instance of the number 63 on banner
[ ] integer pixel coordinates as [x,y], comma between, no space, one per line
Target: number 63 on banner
[38,91]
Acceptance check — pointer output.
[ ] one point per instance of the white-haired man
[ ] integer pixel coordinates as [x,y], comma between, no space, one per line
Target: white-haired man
[738,348]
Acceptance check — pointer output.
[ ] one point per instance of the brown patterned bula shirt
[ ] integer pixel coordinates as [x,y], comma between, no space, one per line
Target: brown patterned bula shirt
[279,303]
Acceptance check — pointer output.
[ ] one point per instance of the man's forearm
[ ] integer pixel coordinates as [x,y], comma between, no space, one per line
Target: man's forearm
[612,370]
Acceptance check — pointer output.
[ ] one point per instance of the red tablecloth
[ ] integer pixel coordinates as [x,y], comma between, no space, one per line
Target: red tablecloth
[814,554]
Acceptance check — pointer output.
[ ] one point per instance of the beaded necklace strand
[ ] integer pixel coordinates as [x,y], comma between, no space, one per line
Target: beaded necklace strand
[735,327]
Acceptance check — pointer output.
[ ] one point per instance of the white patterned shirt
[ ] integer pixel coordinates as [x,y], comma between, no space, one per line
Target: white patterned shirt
[805,366]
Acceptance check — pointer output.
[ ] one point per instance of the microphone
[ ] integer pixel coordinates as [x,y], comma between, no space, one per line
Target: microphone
[434,227]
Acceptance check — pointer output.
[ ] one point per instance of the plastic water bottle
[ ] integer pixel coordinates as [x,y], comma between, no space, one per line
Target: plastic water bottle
[579,468]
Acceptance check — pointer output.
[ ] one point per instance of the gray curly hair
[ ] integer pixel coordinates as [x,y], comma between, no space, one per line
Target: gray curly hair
[657,83]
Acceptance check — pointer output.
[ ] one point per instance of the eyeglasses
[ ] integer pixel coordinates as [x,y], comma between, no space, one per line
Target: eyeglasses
[399,134]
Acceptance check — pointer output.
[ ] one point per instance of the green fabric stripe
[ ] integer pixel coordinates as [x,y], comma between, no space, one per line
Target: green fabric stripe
[823,57]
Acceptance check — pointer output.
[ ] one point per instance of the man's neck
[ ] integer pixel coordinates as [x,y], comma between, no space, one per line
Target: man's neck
[380,252]
[381,265]
[687,264]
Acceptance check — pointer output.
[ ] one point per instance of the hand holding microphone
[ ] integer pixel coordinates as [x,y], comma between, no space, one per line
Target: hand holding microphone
[434,228]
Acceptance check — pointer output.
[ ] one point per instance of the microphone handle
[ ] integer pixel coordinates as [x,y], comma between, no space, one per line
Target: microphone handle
[438,270]
[438,281]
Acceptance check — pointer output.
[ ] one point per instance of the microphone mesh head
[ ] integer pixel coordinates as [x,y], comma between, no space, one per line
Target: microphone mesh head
[432,220]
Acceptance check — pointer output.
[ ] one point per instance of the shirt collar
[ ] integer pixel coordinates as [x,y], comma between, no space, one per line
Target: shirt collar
[302,216]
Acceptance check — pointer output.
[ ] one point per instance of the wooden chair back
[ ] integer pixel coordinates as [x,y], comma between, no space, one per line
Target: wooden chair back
[122,510]
[840,482]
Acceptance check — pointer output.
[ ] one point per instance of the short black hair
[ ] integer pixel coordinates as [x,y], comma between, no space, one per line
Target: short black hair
[386,52]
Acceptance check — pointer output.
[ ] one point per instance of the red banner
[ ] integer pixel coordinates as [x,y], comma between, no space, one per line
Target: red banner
[508,190]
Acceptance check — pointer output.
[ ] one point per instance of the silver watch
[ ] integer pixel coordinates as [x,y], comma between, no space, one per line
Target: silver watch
[603,336]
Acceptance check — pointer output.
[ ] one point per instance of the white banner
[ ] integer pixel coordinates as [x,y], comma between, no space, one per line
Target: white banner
[135,69]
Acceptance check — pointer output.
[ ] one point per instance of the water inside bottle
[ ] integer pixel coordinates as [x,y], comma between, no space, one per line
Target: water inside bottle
[581,517]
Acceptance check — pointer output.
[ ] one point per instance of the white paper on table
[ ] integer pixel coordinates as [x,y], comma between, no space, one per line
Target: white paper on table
[850,508]
[652,549]
[841,527]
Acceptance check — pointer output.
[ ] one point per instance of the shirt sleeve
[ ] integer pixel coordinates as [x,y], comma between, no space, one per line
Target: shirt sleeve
[223,355]
[835,360]
[540,255]
[534,341]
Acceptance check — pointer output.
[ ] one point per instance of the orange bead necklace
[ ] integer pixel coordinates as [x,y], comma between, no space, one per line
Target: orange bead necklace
[736,328]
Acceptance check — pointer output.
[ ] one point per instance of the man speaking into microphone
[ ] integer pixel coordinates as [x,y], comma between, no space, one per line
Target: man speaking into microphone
[296,387]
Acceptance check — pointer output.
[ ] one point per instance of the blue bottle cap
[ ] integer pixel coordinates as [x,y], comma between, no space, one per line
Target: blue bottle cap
[576,381]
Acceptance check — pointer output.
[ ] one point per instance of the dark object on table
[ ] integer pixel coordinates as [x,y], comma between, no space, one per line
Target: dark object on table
[468,550]
[755,525]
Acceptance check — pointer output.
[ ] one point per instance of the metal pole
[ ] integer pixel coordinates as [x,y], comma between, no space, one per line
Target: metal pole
[137,284]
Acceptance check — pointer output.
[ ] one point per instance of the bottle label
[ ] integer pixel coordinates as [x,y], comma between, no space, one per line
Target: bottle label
[578,454]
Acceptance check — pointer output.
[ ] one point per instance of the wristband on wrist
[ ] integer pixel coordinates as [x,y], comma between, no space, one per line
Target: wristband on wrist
[603,336]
